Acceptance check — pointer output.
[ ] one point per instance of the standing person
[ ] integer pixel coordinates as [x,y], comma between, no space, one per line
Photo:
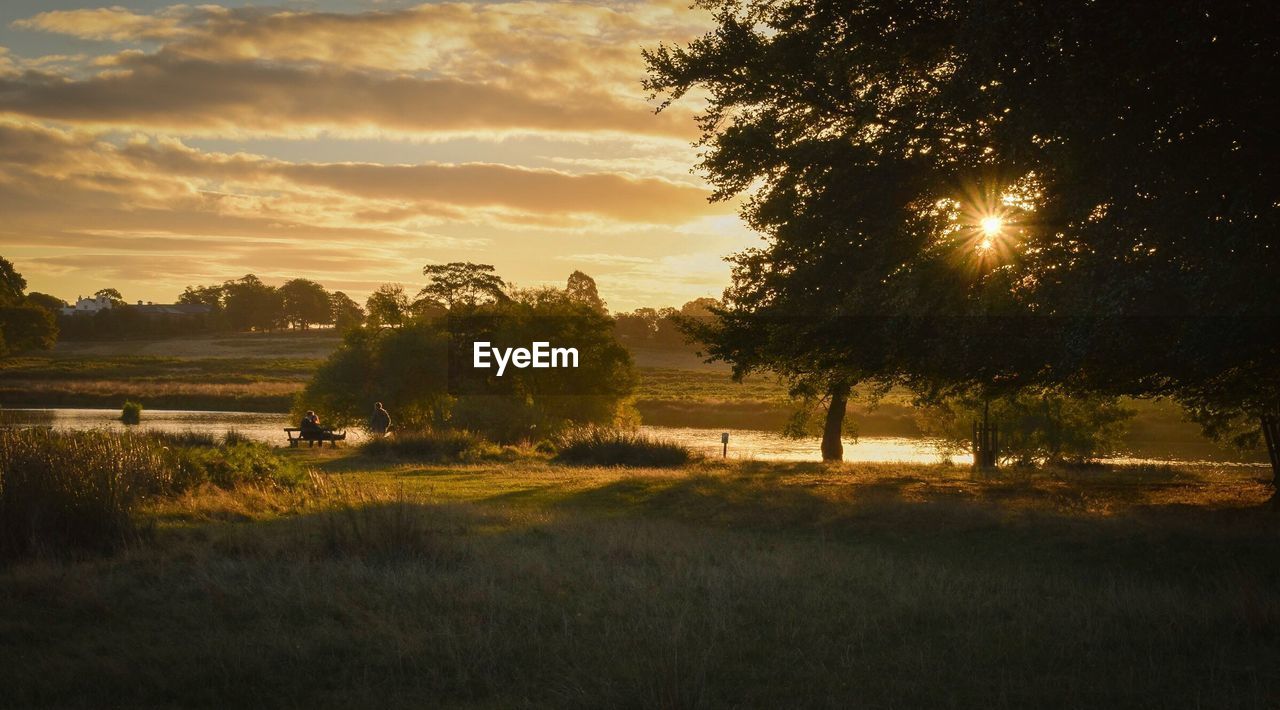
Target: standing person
[380,422]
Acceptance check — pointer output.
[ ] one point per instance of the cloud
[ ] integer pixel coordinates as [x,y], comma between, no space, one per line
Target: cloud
[154,173]
[532,139]
[444,68]
[198,97]
[108,23]
[606,259]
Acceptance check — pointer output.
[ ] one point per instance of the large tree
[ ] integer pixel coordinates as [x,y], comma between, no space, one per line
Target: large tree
[346,313]
[388,306]
[1125,146]
[305,303]
[251,304]
[12,285]
[582,288]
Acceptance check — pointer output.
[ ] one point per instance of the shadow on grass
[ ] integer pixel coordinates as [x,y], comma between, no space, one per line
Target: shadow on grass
[676,591]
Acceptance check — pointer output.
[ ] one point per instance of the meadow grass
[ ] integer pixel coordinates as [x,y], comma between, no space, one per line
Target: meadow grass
[595,446]
[431,446]
[529,584]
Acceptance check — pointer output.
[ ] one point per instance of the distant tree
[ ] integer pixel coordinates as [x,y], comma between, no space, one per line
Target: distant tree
[110,293]
[461,284]
[251,304]
[637,327]
[27,328]
[582,289]
[12,285]
[388,306]
[203,296]
[407,368]
[53,304]
[306,303]
[344,312]
[23,326]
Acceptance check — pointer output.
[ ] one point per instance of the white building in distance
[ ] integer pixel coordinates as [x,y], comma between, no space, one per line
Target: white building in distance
[88,306]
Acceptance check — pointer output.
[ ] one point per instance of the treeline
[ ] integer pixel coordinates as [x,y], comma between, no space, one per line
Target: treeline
[249,304]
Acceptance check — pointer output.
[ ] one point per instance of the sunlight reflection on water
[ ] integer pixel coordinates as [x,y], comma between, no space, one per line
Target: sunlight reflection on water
[743,443]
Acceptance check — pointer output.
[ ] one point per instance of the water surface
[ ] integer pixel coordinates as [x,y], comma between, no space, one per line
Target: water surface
[743,443]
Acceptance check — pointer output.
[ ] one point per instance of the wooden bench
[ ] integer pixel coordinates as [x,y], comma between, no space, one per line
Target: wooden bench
[296,437]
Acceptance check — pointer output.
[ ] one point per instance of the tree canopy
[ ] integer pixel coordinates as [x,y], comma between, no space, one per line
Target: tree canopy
[461,283]
[1120,151]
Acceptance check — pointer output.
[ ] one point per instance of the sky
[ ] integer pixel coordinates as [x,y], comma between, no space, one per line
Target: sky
[151,146]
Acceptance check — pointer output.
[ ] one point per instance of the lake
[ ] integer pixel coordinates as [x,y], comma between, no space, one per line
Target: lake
[743,443]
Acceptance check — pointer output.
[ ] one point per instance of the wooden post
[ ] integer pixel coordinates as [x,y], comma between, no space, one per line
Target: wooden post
[724,442]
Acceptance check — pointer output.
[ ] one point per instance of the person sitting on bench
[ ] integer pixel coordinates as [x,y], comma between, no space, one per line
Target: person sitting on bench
[310,427]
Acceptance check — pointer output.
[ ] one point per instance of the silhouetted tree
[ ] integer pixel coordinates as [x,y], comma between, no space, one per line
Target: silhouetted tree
[345,313]
[23,326]
[1125,146]
[461,283]
[211,296]
[305,302]
[582,288]
[53,304]
[12,285]
[251,304]
[388,306]
[110,293]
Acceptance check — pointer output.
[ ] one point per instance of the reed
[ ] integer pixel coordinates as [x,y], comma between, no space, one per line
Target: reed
[595,446]
[64,491]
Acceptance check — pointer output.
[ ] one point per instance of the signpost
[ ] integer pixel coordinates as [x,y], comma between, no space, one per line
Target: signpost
[724,441]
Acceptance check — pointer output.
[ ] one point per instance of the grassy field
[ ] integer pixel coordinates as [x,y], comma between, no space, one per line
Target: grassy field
[527,584]
[255,384]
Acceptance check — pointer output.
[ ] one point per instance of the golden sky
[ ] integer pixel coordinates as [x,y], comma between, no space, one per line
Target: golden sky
[154,146]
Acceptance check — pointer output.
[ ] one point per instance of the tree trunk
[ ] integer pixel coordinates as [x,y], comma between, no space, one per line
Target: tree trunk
[832,447]
[1271,433]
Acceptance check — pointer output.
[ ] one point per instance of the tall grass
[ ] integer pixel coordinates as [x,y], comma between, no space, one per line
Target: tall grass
[62,491]
[612,447]
[432,446]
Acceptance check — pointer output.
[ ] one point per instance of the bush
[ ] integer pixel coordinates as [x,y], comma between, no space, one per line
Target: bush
[132,412]
[611,447]
[72,490]
[232,465]
[435,446]
[62,491]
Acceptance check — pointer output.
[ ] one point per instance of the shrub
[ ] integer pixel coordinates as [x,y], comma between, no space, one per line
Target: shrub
[131,413]
[61,491]
[611,447]
[434,446]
